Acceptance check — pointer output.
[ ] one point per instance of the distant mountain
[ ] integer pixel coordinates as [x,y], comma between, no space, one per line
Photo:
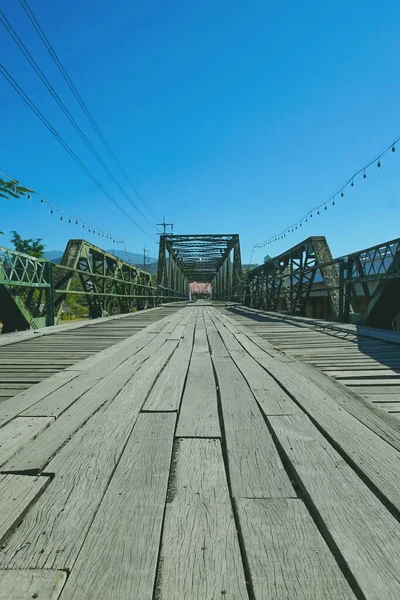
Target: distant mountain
[134,258]
[53,255]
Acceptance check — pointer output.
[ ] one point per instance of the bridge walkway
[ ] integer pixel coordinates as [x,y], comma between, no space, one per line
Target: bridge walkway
[365,360]
[28,357]
[194,459]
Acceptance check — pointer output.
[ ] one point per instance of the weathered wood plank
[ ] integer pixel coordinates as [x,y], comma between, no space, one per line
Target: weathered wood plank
[198,416]
[24,585]
[200,555]
[270,396]
[83,467]
[18,432]
[17,493]
[53,405]
[255,468]
[37,453]
[167,391]
[14,406]
[287,556]
[119,556]
[365,533]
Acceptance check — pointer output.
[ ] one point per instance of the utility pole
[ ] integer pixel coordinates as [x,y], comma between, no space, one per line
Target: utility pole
[165,225]
[145,257]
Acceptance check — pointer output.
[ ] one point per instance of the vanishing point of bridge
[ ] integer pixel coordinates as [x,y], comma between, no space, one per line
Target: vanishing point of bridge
[243,446]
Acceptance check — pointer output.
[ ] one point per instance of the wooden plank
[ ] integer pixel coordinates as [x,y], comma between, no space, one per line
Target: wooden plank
[390,406]
[35,455]
[24,585]
[17,494]
[365,533]
[255,468]
[167,391]
[18,432]
[310,379]
[55,404]
[200,556]
[14,406]
[59,522]
[200,339]
[217,346]
[287,556]
[370,374]
[198,416]
[119,556]
[270,396]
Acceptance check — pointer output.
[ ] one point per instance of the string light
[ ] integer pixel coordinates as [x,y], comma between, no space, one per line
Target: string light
[377,160]
[63,216]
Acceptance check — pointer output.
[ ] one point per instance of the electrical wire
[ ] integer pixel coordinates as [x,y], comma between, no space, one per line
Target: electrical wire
[50,49]
[63,143]
[65,110]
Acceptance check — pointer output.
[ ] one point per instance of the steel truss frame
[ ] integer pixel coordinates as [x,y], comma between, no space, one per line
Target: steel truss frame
[33,291]
[367,274]
[202,258]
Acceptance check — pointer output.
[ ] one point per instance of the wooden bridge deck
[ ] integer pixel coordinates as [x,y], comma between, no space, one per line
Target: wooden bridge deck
[203,457]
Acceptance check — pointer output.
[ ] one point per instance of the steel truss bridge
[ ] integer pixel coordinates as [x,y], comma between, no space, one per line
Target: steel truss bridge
[362,287]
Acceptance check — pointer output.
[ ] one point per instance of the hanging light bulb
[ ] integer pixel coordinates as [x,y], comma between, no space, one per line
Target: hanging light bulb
[83,226]
[306,220]
[326,208]
[41,200]
[342,194]
[52,212]
[393,148]
[301,224]
[317,212]
[76,222]
[365,175]
[333,203]
[379,164]
[29,197]
[310,215]
[352,183]
[69,221]
[61,218]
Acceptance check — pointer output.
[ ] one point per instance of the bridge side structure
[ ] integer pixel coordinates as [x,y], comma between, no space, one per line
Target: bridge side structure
[362,287]
[33,291]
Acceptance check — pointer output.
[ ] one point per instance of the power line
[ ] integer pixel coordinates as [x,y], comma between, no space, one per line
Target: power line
[79,99]
[332,198]
[58,137]
[65,110]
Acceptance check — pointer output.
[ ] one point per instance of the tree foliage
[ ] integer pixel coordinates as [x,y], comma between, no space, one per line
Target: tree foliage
[12,189]
[31,246]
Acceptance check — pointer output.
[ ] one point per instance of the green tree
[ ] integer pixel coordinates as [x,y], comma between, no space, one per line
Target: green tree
[33,247]
[11,189]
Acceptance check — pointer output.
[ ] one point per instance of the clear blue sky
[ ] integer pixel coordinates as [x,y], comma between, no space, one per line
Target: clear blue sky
[229,117]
